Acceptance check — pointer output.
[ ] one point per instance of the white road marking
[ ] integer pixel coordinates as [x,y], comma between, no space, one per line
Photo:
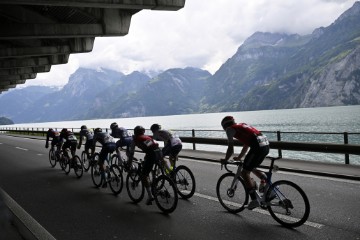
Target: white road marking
[261,211]
[24,149]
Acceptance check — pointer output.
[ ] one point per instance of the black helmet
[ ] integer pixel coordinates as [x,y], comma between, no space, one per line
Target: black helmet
[83,127]
[139,130]
[113,125]
[155,127]
[97,130]
[64,130]
[227,122]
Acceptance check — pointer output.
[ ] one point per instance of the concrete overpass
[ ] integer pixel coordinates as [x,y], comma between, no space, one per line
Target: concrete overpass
[36,34]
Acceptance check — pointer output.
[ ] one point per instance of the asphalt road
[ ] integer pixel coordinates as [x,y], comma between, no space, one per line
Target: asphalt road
[70,208]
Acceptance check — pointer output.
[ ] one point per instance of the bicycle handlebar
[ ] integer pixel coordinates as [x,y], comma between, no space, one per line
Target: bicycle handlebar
[240,162]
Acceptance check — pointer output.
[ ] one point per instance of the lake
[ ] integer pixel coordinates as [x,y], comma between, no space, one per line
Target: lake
[313,121]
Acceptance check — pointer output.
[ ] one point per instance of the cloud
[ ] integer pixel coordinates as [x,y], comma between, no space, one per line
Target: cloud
[203,34]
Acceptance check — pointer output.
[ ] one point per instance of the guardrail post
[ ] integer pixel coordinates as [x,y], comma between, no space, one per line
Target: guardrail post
[193,135]
[346,141]
[278,134]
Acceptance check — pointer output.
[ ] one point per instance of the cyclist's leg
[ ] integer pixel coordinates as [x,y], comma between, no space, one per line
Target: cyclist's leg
[73,145]
[175,150]
[102,156]
[149,161]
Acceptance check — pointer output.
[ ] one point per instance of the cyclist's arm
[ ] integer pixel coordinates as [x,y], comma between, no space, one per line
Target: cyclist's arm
[230,150]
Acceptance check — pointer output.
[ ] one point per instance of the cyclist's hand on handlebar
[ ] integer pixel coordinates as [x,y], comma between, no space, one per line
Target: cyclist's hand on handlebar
[223,162]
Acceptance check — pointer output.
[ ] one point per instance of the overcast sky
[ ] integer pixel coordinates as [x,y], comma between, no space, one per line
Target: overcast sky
[204,34]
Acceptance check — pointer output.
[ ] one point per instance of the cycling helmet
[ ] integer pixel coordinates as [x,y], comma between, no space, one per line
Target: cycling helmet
[155,127]
[64,130]
[83,127]
[139,130]
[97,130]
[227,122]
[113,125]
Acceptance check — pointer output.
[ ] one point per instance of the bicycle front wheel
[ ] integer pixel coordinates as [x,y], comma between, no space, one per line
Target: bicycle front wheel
[52,158]
[232,198]
[165,194]
[96,175]
[135,187]
[185,181]
[78,166]
[116,179]
[288,204]
[86,161]
[68,163]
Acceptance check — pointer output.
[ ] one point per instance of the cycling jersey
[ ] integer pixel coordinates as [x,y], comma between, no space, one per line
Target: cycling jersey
[67,136]
[87,133]
[145,143]
[55,135]
[167,137]
[246,134]
[121,133]
[103,138]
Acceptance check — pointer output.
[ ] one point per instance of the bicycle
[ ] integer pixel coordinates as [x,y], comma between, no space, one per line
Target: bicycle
[112,172]
[123,163]
[54,156]
[181,175]
[75,163]
[162,187]
[286,202]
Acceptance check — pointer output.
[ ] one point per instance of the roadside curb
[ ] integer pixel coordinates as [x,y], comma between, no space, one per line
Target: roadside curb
[26,226]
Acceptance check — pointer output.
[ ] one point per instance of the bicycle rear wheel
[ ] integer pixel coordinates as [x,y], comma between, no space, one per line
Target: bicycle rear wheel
[289,206]
[78,166]
[116,179]
[165,194]
[52,158]
[95,171]
[185,181]
[232,199]
[134,186]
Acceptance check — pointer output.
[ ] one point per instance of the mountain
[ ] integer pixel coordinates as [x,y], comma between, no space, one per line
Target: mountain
[74,98]
[268,71]
[5,121]
[15,102]
[273,70]
[175,91]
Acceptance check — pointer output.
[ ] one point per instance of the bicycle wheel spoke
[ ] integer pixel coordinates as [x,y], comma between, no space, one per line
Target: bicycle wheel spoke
[185,181]
[232,199]
[116,179]
[165,194]
[290,207]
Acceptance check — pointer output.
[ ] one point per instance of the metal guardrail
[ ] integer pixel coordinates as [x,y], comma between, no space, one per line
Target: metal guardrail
[280,145]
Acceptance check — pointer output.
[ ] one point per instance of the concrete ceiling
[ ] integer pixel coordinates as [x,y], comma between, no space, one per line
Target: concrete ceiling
[36,34]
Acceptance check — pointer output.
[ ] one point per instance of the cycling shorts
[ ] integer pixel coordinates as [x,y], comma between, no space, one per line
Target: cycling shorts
[255,157]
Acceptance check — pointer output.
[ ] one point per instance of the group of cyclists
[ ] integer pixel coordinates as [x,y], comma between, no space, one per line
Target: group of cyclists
[65,139]
[255,148]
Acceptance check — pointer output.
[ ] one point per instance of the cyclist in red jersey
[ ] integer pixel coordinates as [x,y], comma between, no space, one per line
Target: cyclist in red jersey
[252,139]
[152,153]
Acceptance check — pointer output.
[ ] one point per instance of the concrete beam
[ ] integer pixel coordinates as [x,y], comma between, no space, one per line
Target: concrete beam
[170,5]
[26,70]
[76,45]
[34,62]
[15,79]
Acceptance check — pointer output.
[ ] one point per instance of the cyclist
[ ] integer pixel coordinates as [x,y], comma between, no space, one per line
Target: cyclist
[251,138]
[125,138]
[172,143]
[55,135]
[89,135]
[152,153]
[108,146]
[68,140]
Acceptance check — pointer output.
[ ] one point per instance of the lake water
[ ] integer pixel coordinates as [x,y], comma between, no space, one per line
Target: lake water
[313,121]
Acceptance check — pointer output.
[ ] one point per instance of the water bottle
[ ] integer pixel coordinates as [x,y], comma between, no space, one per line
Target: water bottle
[262,186]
